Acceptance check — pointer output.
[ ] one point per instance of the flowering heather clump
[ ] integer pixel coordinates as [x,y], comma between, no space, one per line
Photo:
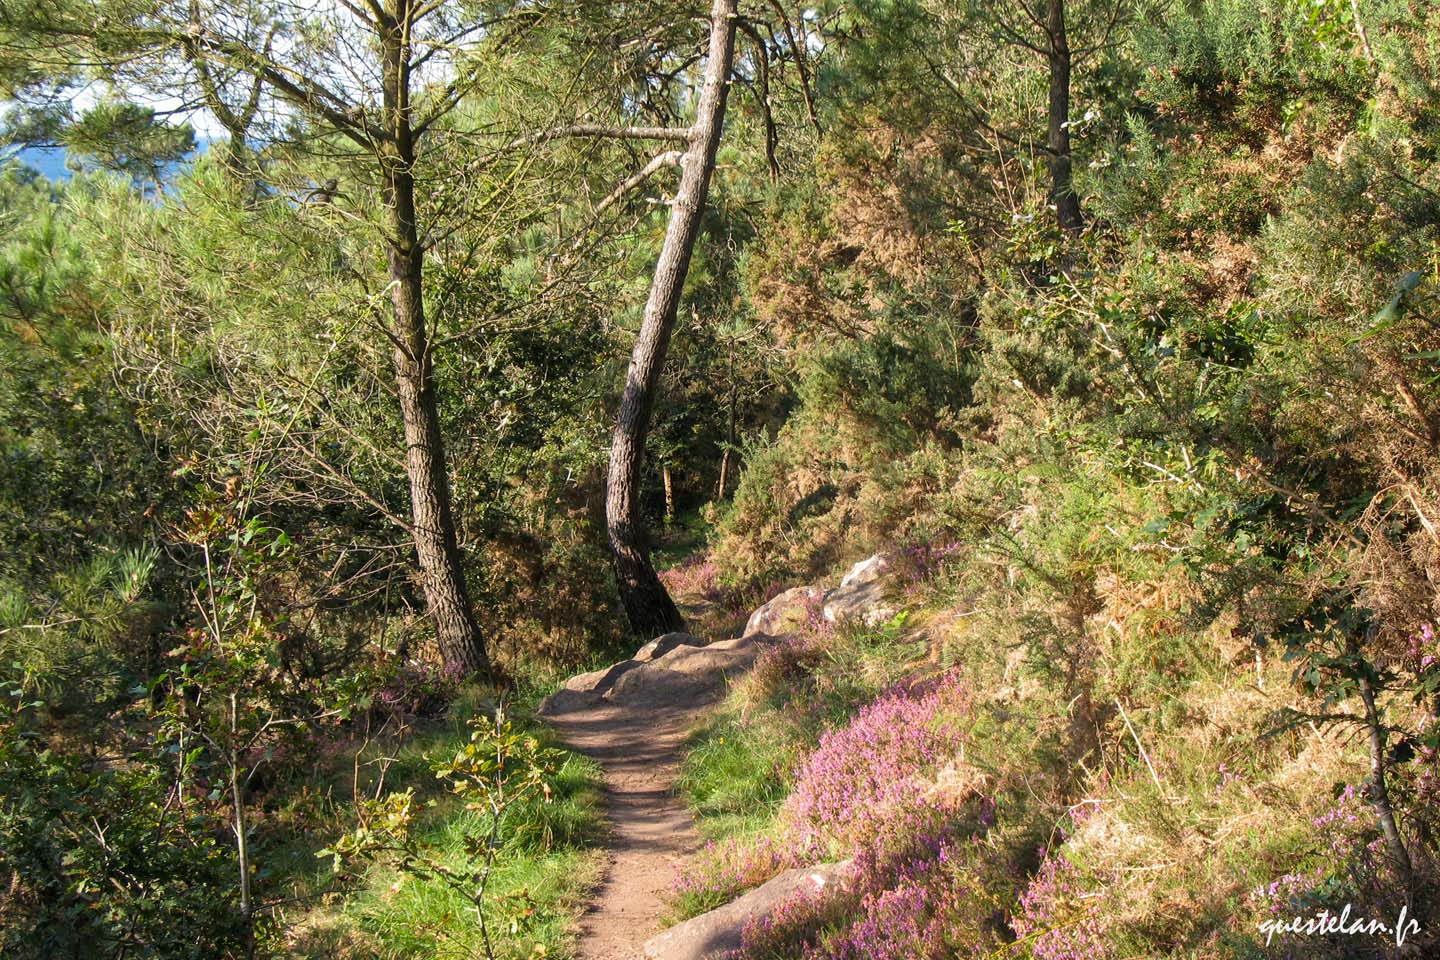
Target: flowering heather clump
[1425,772]
[723,870]
[794,928]
[915,887]
[1351,868]
[1422,656]
[786,663]
[1339,822]
[902,923]
[816,625]
[1227,777]
[1055,916]
[925,560]
[697,576]
[860,775]
[905,897]
[870,786]
[1350,878]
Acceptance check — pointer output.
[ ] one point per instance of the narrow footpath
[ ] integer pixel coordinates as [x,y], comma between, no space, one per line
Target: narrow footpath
[653,832]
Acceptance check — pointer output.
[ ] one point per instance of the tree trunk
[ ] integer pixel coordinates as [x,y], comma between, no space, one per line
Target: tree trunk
[1378,794]
[1062,192]
[240,163]
[669,494]
[242,832]
[647,605]
[462,646]
[729,430]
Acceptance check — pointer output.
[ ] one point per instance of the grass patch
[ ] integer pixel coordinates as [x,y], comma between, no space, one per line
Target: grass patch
[542,877]
[735,776]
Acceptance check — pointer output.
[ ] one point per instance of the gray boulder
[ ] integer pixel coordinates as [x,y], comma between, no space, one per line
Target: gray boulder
[662,645]
[686,674]
[782,614]
[861,594]
[711,935]
[587,689]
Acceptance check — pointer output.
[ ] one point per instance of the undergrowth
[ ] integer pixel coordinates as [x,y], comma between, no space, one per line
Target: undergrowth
[543,872]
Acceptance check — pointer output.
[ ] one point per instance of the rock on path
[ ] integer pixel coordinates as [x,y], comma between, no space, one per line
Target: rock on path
[714,934]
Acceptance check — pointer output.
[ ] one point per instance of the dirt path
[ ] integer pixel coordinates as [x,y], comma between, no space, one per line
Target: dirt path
[640,751]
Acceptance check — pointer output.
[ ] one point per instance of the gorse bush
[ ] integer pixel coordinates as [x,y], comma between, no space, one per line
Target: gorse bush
[1221,66]
[899,387]
[1177,545]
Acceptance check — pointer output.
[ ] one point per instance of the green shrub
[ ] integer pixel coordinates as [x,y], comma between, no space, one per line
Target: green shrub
[101,859]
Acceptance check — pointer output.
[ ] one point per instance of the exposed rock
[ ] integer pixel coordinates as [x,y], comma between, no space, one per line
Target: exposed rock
[861,594]
[587,689]
[782,614]
[674,669]
[685,674]
[662,645]
[567,701]
[584,689]
[598,681]
[712,934]
[866,571]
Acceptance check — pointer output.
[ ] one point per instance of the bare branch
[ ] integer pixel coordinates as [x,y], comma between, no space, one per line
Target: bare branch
[367,17]
[588,130]
[801,63]
[302,90]
[762,96]
[637,178]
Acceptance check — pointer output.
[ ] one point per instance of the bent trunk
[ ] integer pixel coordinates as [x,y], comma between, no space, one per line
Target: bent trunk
[447,598]
[1062,192]
[647,605]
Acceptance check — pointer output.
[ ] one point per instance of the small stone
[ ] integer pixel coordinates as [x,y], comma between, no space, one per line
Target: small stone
[861,593]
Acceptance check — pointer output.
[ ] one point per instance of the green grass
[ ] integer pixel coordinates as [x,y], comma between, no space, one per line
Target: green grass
[739,763]
[546,869]
[735,776]
[680,539]
[535,893]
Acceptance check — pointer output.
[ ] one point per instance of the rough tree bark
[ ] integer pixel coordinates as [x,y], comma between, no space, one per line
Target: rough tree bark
[648,606]
[462,646]
[1062,192]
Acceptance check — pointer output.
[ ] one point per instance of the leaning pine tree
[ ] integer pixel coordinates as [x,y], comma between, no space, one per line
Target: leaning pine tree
[648,606]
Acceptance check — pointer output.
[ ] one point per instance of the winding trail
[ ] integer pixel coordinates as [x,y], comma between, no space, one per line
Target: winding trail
[653,832]
[633,717]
